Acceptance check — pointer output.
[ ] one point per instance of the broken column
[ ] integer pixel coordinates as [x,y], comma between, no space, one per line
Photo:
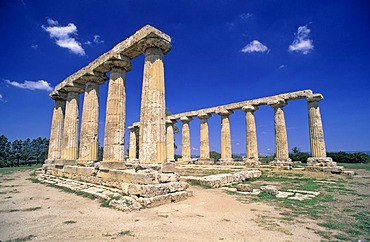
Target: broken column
[226,152]
[204,157]
[251,136]
[317,141]
[281,140]
[115,121]
[152,139]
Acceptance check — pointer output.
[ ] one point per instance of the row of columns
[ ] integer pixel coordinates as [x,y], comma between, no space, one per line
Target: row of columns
[317,142]
[65,142]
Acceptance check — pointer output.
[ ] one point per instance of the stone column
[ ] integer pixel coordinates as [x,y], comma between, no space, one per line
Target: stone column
[226,151]
[70,130]
[152,139]
[281,140]
[132,157]
[89,125]
[204,158]
[317,141]
[115,120]
[251,136]
[170,140]
[55,141]
[186,151]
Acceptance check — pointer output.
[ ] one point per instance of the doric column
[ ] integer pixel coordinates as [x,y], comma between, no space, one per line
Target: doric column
[132,157]
[185,151]
[317,141]
[204,158]
[89,125]
[251,135]
[281,140]
[115,120]
[70,128]
[170,140]
[152,139]
[56,132]
[226,151]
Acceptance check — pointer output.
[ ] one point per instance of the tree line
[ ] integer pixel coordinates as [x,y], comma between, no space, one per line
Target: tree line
[23,152]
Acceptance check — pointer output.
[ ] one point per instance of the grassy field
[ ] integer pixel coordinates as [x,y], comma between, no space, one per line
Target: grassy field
[365,166]
[9,170]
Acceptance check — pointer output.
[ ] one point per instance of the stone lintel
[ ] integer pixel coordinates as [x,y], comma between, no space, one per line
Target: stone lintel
[132,47]
[315,97]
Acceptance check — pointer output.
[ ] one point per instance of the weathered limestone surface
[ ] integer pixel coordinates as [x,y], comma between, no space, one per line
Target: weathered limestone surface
[220,180]
[226,153]
[204,140]
[89,125]
[70,130]
[170,140]
[152,139]
[56,132]
[317,141]
[114,133]
[185,151]
[251,134]
[133,143]
[281,140]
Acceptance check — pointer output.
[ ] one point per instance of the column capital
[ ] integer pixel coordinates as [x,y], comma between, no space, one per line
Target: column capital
[171,121]
[73,87]
[186,119]
[62,96]
[225,112]
[119,61]
[92,76]
[154,42]
[204,115]
[315,97]
[249,108]
[280,103]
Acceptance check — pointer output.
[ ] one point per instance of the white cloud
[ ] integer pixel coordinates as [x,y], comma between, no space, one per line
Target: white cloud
[302,42]
[34,46]
[63,36]
[255,46]
[193,148]
[31,85]
[88,42]
[97,39]
[245,16]
[1,98]
[281,67]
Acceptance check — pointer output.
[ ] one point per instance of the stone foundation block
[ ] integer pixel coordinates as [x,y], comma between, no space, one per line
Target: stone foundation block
[168,167]
[167,177]
[85,171]
[70,169]
[205,162]
[244,188]
[112,165]
[227,162]
[163,199]
[153,190]
[181,161]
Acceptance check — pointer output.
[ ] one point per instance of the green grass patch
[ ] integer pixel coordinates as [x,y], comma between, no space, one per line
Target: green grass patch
[10,170]
[365,166]
[70,222]
[197,183]
[126,233]
[26,238]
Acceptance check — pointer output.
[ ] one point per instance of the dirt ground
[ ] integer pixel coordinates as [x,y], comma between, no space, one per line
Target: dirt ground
[33,211]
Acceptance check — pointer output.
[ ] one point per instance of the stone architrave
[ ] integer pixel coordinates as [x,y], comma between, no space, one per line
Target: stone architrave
[226,150]
[317,141]
[70,128]
[204,157]
[185,151]
[56,132]
[170,140]
[132,158]
[251,135]
[115,121]
[152,139]
[281,140]
[89,125]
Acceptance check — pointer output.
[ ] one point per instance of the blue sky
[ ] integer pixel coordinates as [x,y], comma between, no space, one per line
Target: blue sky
[223,51]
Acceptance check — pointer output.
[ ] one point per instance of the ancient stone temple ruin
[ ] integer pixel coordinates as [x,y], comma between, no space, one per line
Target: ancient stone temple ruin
[150,179]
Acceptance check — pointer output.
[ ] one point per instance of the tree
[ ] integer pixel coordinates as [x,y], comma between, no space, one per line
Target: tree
[5,146]
[214,155]
[16,151]
[298,155]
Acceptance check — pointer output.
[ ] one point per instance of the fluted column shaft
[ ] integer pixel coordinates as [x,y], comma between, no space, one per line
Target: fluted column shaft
[56,132]
[186,151]
[133,140]
[152,139]
[226,150]
[89,124]
[70,130]
[317,141]
[115,121]
[170,140]
[251,134]
[281,140]
[204,137]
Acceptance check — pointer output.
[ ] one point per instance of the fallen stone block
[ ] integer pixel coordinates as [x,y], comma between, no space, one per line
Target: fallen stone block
[273,190]
[244,188]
